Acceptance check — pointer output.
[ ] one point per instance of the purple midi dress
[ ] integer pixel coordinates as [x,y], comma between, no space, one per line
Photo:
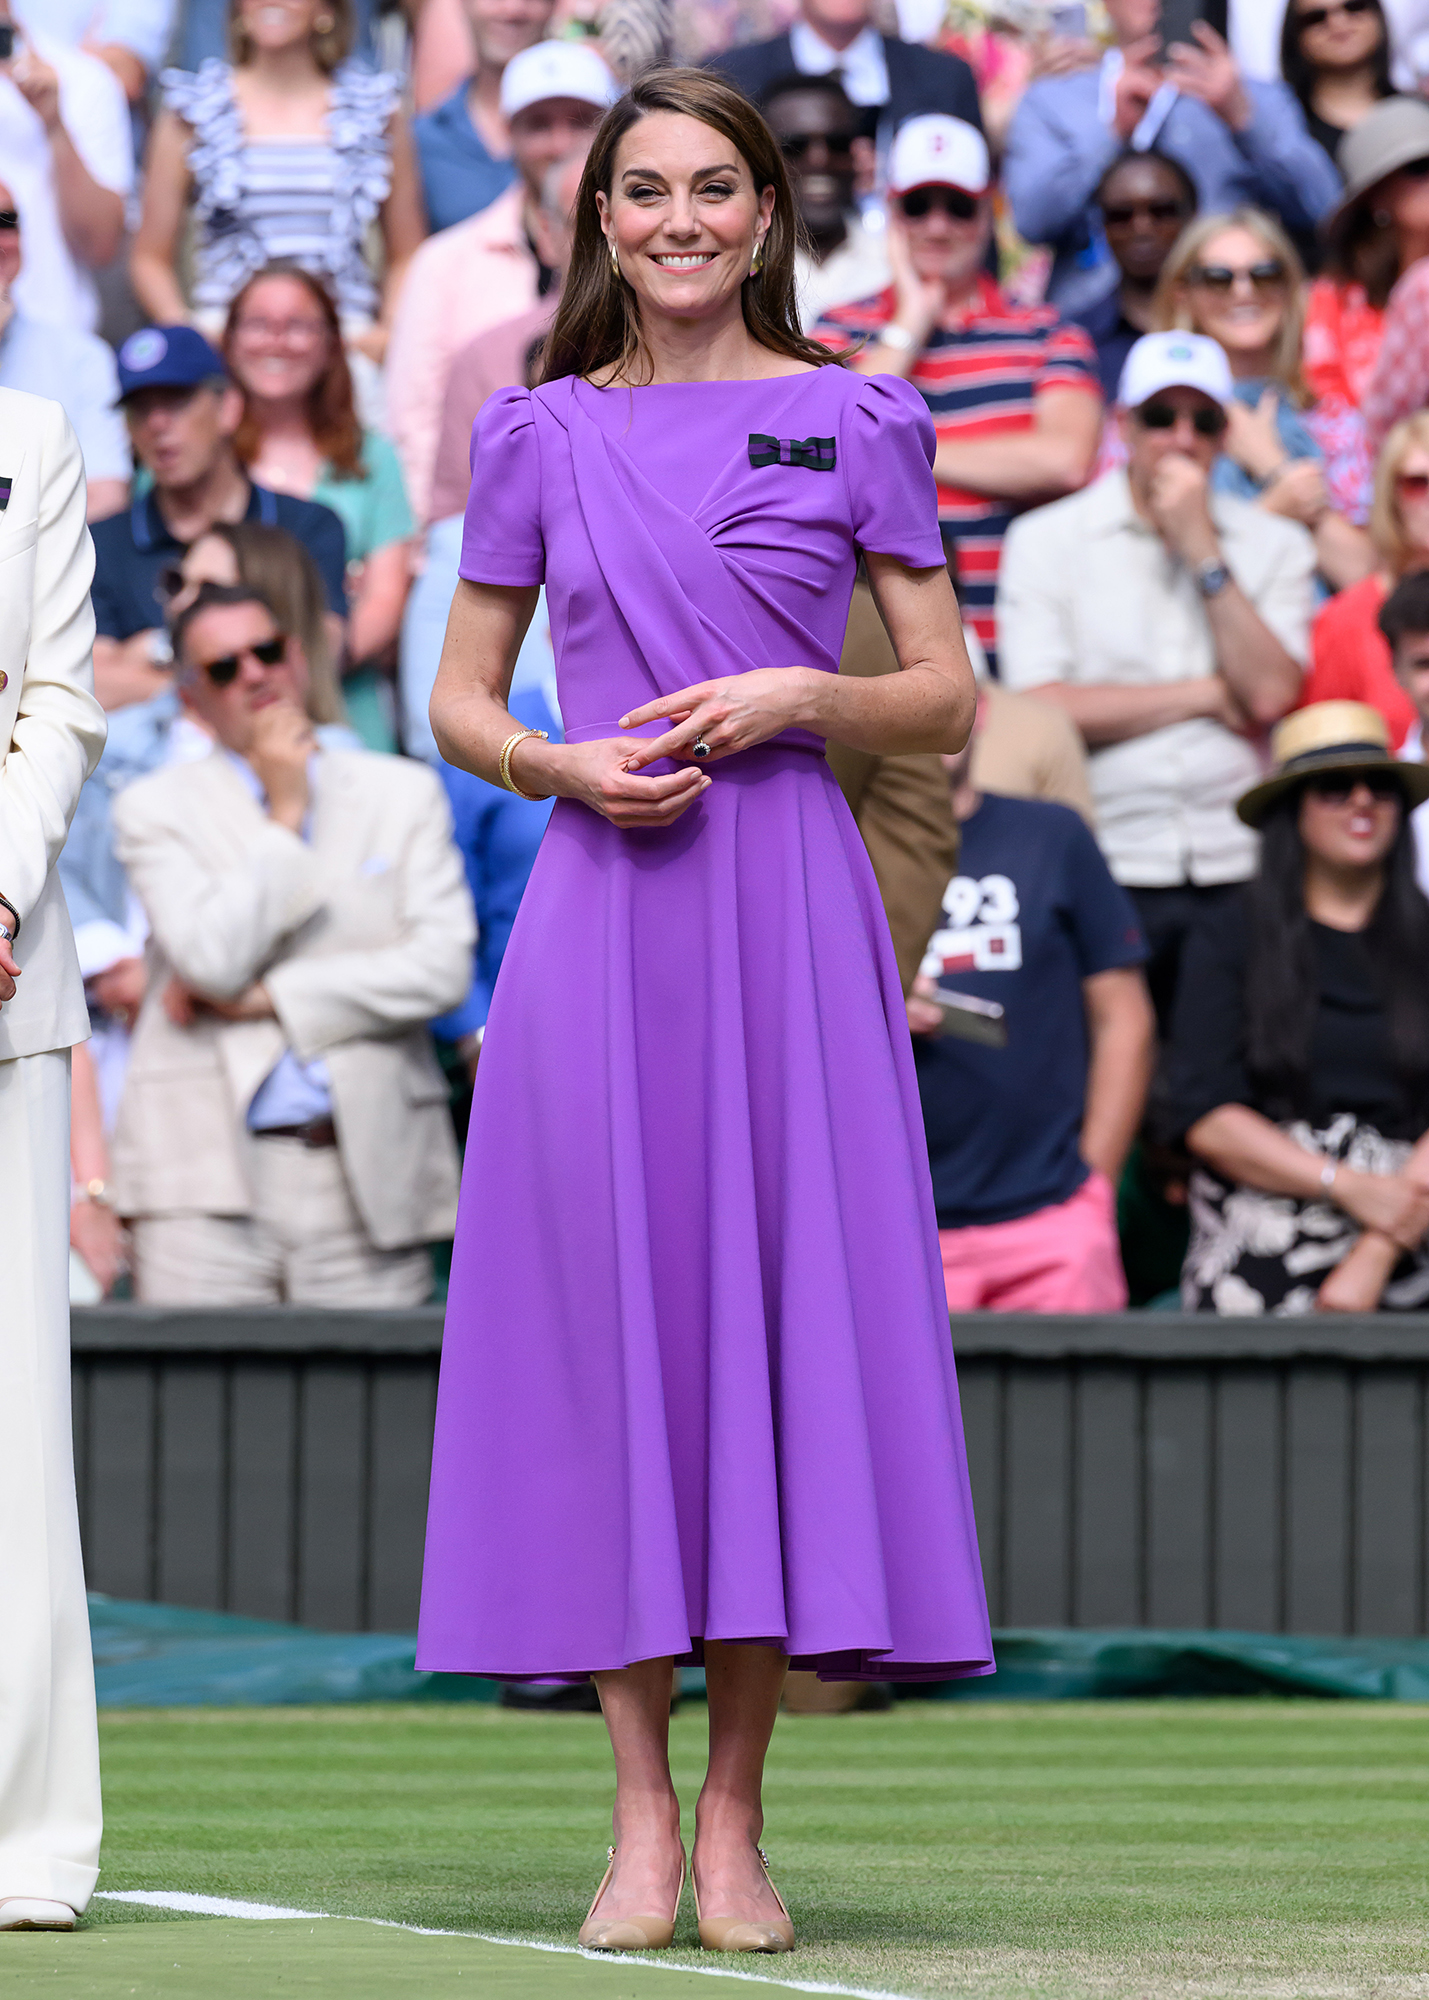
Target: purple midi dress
[696,1380]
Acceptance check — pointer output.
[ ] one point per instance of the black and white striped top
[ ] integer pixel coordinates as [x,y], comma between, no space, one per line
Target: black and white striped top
[311,201]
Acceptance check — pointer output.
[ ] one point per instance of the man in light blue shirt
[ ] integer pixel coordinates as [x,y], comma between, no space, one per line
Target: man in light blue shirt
[71,368]
[1241,143]
[464,143]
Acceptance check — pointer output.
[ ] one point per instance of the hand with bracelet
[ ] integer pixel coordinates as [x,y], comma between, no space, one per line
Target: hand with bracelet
[9,966]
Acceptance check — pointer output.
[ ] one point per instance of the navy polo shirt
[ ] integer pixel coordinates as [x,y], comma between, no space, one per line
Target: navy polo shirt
[130,548]
[459,176]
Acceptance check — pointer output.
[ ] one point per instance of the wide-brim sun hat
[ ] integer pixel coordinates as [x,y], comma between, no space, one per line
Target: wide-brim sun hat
[1326,737]
[1393,135]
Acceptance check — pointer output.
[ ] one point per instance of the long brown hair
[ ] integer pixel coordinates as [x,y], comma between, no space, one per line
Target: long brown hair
[329,45]
[332,410]
[598,323]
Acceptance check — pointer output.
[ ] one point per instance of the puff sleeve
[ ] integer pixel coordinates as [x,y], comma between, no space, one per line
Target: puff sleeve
[889,443]
[501,536]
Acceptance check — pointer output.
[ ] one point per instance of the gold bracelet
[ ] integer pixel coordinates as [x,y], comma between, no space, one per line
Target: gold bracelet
[507,747]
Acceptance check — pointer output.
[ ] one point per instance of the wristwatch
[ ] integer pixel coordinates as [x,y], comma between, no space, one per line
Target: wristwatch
[1210,577]
[897,337]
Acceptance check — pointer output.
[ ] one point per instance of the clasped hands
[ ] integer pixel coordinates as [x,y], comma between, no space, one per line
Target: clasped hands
[730,715]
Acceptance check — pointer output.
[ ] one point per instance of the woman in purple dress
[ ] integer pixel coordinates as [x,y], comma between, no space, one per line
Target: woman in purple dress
[697,1394]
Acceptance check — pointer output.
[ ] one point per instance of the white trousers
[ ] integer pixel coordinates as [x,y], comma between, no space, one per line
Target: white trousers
[49,1741]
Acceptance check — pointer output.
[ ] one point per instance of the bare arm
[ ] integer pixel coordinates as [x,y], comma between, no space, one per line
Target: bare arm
[1357,1282]
[404,222]
[376,615]
[91,216]
[1241,1145]
[1043,463]
[124,671]
[1114,712]
[153,259]
[1122,1029]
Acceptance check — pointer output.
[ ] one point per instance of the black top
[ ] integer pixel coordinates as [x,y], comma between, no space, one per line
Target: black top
[1351,1063]
[1113,336]
[1331,137]
[919,79]
[131,548]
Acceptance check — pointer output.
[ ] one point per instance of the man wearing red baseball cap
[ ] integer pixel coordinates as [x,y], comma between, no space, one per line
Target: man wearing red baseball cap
[1013,390]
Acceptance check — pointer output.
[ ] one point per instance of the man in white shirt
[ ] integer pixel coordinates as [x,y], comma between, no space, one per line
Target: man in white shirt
[131,37]
[69,367]
[839,259]
[67,157]
[1171,624]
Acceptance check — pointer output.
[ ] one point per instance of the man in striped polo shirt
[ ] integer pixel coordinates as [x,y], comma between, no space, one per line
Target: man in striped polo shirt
[1013,390]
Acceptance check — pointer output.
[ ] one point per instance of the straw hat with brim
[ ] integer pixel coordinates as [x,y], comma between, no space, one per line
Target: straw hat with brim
[1393,135]
[1329,736]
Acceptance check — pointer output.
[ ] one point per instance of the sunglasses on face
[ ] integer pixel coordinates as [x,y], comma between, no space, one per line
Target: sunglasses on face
[1205,422]
[795,145]
[1417,170]
[268,652]
[9,218]
[1340,788]
[919,202]
[1266,277]
[1119,214]
[1316,17]
[1413,485]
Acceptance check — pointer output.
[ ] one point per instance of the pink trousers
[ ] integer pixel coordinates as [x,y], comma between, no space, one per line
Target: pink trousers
[1063,1259]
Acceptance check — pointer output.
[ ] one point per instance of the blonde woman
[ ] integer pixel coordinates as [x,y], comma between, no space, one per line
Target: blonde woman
[1238,279]
[287,152]
[1349,655]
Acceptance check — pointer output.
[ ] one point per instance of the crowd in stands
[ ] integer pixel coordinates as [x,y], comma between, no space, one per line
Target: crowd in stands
[1162,925]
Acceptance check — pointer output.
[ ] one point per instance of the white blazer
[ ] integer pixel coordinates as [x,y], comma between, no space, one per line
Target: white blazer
[51,727]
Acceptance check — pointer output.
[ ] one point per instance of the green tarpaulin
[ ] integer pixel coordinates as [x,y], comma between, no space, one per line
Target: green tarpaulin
[159,1656]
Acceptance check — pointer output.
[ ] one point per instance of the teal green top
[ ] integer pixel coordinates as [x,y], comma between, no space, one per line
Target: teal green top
[374,510]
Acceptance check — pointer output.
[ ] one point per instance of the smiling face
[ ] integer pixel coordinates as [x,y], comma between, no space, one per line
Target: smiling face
[1144,208]
[279,24]
[500,29]
[225,632]
[1247,314]
[816,132]
[281,344]
[1345,38]
[1350,820]
[684,216]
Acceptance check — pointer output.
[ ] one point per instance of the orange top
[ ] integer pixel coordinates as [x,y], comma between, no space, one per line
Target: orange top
[1350,658]
[1342,336]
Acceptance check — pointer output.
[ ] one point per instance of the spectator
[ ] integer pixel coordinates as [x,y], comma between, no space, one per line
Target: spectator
[1376,233]
[1237,279]
[308,916]
[1026,1141]
[1299,1065]
[1144,201]
[484,271]
[1170,622]
[1399,384]
[1239,141]
[68,366]
[891,81]
[67,157]
[1348,655]
[109,926]
[464,143]
[838,260]
[504,356]
[300,435]
[129,37]
[1404,621]
[205,31]
[1012,389]
[290,152]
[1334,54]
[182,412]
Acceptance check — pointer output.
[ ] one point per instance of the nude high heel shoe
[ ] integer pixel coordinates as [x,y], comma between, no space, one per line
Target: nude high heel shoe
[725,1934]
[629,1933]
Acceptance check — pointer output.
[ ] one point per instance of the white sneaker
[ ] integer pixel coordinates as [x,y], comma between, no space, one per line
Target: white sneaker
[34,1913]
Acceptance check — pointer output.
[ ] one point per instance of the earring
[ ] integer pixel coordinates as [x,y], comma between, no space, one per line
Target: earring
[758,265]
[614,258]
[323,23]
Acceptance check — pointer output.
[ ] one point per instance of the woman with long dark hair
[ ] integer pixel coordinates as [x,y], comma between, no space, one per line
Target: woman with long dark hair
[1334,54]
[1298,1071]
[697,1396]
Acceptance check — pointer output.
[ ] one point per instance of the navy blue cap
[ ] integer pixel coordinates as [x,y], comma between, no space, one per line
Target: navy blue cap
[167,357]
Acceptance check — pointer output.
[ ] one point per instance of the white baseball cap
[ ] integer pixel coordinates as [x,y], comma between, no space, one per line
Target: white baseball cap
[556,69]
[1174,361]
[937,151]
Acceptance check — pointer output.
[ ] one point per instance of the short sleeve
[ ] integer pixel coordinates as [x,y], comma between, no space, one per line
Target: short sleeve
[1106,932]
[889,444]
[501,536]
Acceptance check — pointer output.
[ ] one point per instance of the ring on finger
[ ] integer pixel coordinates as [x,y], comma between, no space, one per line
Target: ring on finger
[699,748]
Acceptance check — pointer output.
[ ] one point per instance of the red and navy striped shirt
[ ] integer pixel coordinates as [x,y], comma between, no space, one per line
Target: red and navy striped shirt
[980,378]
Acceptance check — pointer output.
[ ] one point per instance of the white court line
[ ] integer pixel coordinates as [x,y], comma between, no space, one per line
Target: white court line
[225,1906]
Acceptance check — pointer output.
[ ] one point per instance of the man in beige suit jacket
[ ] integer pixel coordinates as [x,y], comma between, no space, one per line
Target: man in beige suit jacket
[51,734]
[284,1132]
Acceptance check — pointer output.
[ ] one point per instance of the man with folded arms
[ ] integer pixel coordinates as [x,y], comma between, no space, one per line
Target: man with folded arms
[1170,623]
[284,1133]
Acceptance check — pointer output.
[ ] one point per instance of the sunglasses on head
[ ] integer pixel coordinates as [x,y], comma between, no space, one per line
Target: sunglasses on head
[1339,787]
[795,145]
[1268,276]
[918,202]
[267,652]
[1206,422]
[1117,214]
[1316,17]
